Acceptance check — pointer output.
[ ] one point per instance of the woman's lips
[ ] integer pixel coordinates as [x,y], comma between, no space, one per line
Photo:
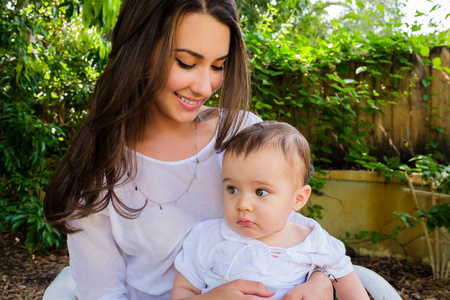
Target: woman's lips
[188,103]
[187,100]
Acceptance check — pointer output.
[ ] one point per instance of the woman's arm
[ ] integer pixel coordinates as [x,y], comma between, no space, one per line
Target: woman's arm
[233,290]
[97,266]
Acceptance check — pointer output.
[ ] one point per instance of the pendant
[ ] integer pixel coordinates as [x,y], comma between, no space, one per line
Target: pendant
[160,206]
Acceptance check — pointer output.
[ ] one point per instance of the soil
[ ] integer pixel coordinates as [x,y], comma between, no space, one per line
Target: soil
[26,277]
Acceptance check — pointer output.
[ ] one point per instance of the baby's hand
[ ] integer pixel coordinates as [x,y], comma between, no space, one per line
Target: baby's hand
[318,287]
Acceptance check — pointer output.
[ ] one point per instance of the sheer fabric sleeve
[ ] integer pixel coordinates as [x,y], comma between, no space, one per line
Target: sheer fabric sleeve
[96,262]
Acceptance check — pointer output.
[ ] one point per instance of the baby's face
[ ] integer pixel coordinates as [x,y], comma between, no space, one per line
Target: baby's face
[259,192]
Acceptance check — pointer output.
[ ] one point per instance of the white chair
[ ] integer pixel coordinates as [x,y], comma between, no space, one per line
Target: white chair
[63,287]
[376,285]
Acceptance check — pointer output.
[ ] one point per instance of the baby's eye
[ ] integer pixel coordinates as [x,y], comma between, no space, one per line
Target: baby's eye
[232,190]
[261,192]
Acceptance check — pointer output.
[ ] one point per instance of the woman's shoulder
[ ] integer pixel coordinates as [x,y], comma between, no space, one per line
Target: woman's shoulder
[249,118]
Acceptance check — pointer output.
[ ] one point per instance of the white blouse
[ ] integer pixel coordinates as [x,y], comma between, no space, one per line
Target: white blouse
[118,258]
[214,254]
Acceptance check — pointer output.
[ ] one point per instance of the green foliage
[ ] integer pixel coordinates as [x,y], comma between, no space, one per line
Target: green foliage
[438,216]
[52,52]
[372,15]
[431,171]
[100,13]
[302,18]
[49,65]
[373,236]
[438,176]
[293,72]
[314,211]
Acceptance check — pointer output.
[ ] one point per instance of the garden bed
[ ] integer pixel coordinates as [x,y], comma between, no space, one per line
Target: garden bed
[25,277]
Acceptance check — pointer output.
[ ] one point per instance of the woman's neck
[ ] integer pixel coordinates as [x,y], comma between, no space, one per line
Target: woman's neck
[169,140]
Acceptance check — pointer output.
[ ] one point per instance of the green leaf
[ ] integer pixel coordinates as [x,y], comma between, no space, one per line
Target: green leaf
[425,51]
[353,16]
[19,68]
[426,82]
[416,27]
[366,19]
[348,81]
[360,70]
[334,78]
[437,62]
[395,94]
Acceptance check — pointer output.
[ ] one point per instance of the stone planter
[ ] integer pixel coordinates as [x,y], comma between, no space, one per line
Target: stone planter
[356,201]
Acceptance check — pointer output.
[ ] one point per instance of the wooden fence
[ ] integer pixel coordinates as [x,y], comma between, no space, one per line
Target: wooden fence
[404,130]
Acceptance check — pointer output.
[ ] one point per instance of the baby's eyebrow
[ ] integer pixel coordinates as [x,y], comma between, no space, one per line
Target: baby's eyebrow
[264,183]
[198,55]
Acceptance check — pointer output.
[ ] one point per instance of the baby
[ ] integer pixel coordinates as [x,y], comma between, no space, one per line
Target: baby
[266,169]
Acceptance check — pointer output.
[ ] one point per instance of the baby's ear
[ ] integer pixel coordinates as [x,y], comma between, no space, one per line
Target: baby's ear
[301,197]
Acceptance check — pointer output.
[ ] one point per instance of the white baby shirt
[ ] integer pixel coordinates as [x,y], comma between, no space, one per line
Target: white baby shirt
[213,254]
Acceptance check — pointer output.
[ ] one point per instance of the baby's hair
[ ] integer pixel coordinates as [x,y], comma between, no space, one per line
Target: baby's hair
[278,135]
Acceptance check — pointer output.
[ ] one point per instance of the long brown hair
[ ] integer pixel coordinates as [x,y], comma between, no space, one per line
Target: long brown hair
[84,181]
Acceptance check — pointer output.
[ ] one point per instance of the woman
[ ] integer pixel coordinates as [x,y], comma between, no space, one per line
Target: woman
[146,165]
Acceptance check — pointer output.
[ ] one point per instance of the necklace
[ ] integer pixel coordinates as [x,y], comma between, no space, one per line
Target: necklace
[138,189]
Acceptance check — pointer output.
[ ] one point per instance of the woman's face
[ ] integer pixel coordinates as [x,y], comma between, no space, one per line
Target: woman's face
[201,49]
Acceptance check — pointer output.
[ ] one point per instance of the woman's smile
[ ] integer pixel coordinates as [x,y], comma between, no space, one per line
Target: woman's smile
[189,103]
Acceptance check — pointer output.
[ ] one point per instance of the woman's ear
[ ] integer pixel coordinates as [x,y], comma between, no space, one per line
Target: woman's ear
[301,197]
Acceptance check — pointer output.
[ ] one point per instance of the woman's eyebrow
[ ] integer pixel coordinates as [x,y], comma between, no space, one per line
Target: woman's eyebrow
[199,56]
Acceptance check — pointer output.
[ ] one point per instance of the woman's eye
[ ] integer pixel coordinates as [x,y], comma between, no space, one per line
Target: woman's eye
[261,192]
[232,190]
[221,68]
[183,65]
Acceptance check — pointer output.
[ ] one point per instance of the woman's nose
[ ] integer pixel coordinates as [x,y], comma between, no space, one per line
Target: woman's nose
[202,85]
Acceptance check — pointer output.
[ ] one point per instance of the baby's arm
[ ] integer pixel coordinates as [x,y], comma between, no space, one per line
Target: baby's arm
[318,287]
[182,288]
[350,287]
